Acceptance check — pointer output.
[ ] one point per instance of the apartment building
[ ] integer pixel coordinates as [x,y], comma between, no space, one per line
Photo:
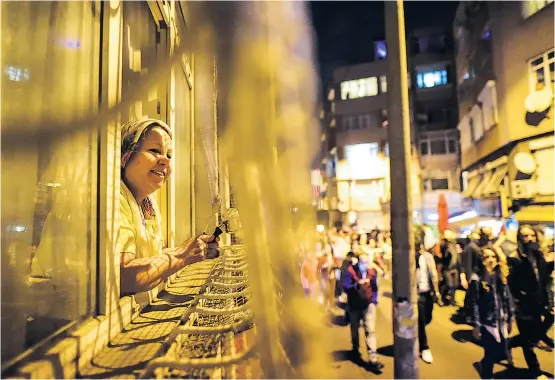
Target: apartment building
[505,75]
[357,163]
[434,101]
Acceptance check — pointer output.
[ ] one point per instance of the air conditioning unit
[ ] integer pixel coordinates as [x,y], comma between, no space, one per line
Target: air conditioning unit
[523,189]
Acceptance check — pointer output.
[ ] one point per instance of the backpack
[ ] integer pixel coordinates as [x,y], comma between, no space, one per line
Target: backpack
[363,292]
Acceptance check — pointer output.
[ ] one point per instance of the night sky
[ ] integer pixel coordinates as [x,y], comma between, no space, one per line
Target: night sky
[346,30]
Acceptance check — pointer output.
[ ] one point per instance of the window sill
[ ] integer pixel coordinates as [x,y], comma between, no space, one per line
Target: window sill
[64,355]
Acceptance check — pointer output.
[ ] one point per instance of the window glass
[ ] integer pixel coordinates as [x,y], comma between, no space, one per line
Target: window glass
[182,152]
[383,84]
[140,55]
[440,184]
[542,70]
[452,145]
[437,147]
[424,148]
[50,78]
[529,7]
[431,78]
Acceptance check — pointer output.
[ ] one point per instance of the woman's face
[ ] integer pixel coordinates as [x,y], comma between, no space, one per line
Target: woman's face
[150,166]
[489,258]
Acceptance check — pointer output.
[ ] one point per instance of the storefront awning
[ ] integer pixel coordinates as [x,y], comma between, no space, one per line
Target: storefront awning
[473,183]
[495,182]
[535,214]
[484,180]
[470,222]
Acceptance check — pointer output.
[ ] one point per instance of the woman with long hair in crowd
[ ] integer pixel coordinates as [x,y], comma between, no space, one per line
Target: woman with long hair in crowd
[491,308]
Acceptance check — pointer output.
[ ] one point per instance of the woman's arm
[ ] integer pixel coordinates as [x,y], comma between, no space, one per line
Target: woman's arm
[142,274]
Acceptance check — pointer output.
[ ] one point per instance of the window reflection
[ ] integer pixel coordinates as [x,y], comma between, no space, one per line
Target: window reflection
[47,186]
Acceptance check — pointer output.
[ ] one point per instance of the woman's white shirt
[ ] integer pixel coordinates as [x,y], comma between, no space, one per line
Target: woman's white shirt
[141,237]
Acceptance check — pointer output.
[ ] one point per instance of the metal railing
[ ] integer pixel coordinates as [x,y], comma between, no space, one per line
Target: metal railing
[215,337]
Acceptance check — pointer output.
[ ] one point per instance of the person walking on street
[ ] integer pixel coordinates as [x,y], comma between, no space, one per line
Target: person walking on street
[362,307]
[428,292]
[309,274]
[492,312]
[528,282]
[450,261]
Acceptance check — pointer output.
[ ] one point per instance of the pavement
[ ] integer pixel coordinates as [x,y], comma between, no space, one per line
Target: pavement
[452,346]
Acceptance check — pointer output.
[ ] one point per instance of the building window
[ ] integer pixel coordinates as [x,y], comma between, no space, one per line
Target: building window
[374,149]
[424,148]
[359,88]
[438,147]
[49,223]
[439,184]
[383,84]
[380,49]
[541,71]
[486,33]
[529,7]
[452,146]
[431,78]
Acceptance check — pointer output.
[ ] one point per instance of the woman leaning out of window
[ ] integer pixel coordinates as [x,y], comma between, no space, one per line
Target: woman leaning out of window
[146,163]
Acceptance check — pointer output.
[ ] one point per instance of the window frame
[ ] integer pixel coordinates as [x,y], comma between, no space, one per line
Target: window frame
[527,5]
[532,69]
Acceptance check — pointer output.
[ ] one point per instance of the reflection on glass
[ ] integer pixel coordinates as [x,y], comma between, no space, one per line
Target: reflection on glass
[47,193]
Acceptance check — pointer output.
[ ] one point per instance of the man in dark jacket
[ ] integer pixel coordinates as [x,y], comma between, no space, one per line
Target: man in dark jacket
[360,302]
[450,265]
[528,280]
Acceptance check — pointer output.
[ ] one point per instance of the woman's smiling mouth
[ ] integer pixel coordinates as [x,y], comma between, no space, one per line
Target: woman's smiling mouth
[158,173]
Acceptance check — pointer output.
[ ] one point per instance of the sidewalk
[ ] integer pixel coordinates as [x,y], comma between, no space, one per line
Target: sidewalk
[451,344]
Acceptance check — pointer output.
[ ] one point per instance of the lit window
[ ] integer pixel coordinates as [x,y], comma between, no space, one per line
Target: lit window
[431,78]
[486,33]
[16,74]
[383,84]
[381,49]
[359,88]
[49,256]
[529,7]
[541,71]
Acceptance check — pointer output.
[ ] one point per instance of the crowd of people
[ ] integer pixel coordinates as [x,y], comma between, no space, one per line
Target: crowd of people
[507,281]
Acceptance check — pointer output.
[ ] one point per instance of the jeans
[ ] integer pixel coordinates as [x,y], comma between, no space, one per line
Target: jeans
[368,317]
[425,308]
[529,333]
[493,352]
[452,283]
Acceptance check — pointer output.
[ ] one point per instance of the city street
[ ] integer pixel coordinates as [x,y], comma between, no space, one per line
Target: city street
[453,350]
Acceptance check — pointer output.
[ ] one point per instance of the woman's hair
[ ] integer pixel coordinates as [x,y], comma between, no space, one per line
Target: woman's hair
[133,132]
[502,268]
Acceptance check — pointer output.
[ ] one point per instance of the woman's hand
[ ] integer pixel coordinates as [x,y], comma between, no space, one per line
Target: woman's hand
[195,249]
[212,247]
[476,333]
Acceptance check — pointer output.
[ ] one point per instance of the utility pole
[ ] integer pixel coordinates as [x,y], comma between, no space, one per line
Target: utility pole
[405,312]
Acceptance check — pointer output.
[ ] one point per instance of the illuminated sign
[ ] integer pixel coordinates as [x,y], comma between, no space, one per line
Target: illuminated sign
[359,88]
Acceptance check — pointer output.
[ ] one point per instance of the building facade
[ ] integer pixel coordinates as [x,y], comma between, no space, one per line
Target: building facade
[357,163]
[434,101]
[505,75]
